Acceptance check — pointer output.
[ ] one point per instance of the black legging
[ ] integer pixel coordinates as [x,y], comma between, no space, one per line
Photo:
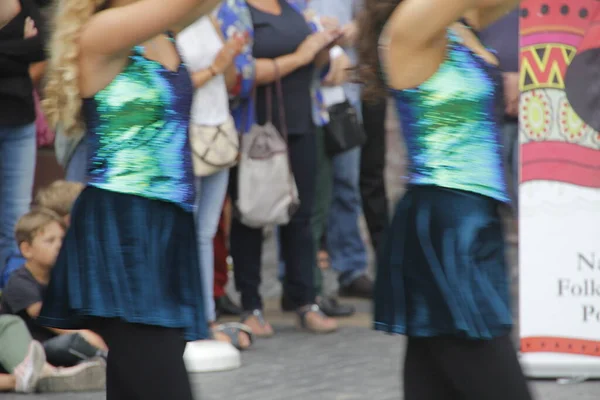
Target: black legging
[459,369]
[144,362]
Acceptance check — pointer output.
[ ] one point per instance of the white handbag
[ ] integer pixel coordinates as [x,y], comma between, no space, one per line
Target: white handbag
[267,192]
[214,147]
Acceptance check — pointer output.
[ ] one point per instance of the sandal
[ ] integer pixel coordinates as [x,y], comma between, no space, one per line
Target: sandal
[312,319]
[232,330]
[256,317]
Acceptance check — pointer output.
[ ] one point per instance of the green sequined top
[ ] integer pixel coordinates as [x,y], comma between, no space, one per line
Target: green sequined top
[138,132]
[451,127]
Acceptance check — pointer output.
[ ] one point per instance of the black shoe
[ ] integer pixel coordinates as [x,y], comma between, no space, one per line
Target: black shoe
[226,306]
[361,287]
[332,308]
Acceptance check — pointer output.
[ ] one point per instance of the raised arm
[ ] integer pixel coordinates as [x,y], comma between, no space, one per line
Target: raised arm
[116,30]
[417,24]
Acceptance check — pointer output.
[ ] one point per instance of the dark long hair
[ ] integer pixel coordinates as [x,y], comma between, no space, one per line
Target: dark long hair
[371,22]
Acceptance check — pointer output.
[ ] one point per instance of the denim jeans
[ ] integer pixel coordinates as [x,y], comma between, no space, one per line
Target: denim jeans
[210,195]
[68,350]
[76,170]
[17,171]
[347,251]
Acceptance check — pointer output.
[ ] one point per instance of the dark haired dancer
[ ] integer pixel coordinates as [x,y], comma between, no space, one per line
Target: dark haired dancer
[442,278]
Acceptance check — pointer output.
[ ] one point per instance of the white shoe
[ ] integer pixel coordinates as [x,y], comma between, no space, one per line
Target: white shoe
[211,356]
[28,372]
[88,376]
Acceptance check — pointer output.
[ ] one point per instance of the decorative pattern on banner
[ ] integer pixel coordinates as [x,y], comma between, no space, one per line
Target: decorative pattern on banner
[550,36]
[560,181]
[560,345]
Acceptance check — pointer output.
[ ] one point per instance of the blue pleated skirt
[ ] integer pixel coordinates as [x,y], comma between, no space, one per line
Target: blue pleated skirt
[442,268]
[131,258]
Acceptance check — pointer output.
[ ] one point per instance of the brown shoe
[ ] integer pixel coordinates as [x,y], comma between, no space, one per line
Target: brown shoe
[312,319]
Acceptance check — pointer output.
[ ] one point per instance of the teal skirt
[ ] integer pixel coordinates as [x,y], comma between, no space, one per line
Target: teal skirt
[442,268]
[131,258]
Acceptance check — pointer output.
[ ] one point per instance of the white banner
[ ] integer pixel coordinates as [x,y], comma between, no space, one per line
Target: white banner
[559,211]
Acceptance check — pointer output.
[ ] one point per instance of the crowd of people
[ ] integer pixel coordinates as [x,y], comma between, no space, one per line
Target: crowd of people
[170,116]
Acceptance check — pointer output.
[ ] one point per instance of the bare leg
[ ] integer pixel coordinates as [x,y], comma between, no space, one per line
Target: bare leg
[7,383]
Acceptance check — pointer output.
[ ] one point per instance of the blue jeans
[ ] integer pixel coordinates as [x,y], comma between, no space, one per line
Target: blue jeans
[17,171]
[210,195]
[347,251]
[76,170]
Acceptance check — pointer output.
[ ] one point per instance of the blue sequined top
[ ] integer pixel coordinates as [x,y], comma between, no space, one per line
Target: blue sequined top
[138,132]
[450,125]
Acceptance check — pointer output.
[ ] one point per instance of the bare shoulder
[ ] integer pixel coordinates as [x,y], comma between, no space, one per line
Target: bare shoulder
[96,72]
[408,66]
[416,37]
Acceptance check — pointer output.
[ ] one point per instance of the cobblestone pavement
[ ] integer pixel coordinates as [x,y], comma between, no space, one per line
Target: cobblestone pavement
[356,363]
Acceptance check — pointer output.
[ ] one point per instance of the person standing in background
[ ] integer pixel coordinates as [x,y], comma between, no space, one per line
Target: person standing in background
[210,62]
[21,46]
[372,156]
[269,56]
[346,249]
[503,37]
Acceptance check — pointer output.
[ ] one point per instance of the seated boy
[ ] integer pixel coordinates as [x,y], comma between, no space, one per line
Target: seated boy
[39,235]
[59,197]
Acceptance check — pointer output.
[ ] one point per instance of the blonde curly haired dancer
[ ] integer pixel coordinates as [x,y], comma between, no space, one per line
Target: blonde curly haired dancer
[128,268]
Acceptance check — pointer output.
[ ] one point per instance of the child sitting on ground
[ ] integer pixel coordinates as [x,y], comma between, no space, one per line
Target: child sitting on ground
[39,235]
[59,197]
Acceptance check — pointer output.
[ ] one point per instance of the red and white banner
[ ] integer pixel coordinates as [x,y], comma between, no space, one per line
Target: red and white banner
[559,221]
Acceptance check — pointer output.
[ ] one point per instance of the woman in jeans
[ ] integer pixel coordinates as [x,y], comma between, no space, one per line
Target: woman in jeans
[281,40]
[20,47]
[210,62]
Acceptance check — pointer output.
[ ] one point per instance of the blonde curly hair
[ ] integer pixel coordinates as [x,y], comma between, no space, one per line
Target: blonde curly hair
[62,99]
